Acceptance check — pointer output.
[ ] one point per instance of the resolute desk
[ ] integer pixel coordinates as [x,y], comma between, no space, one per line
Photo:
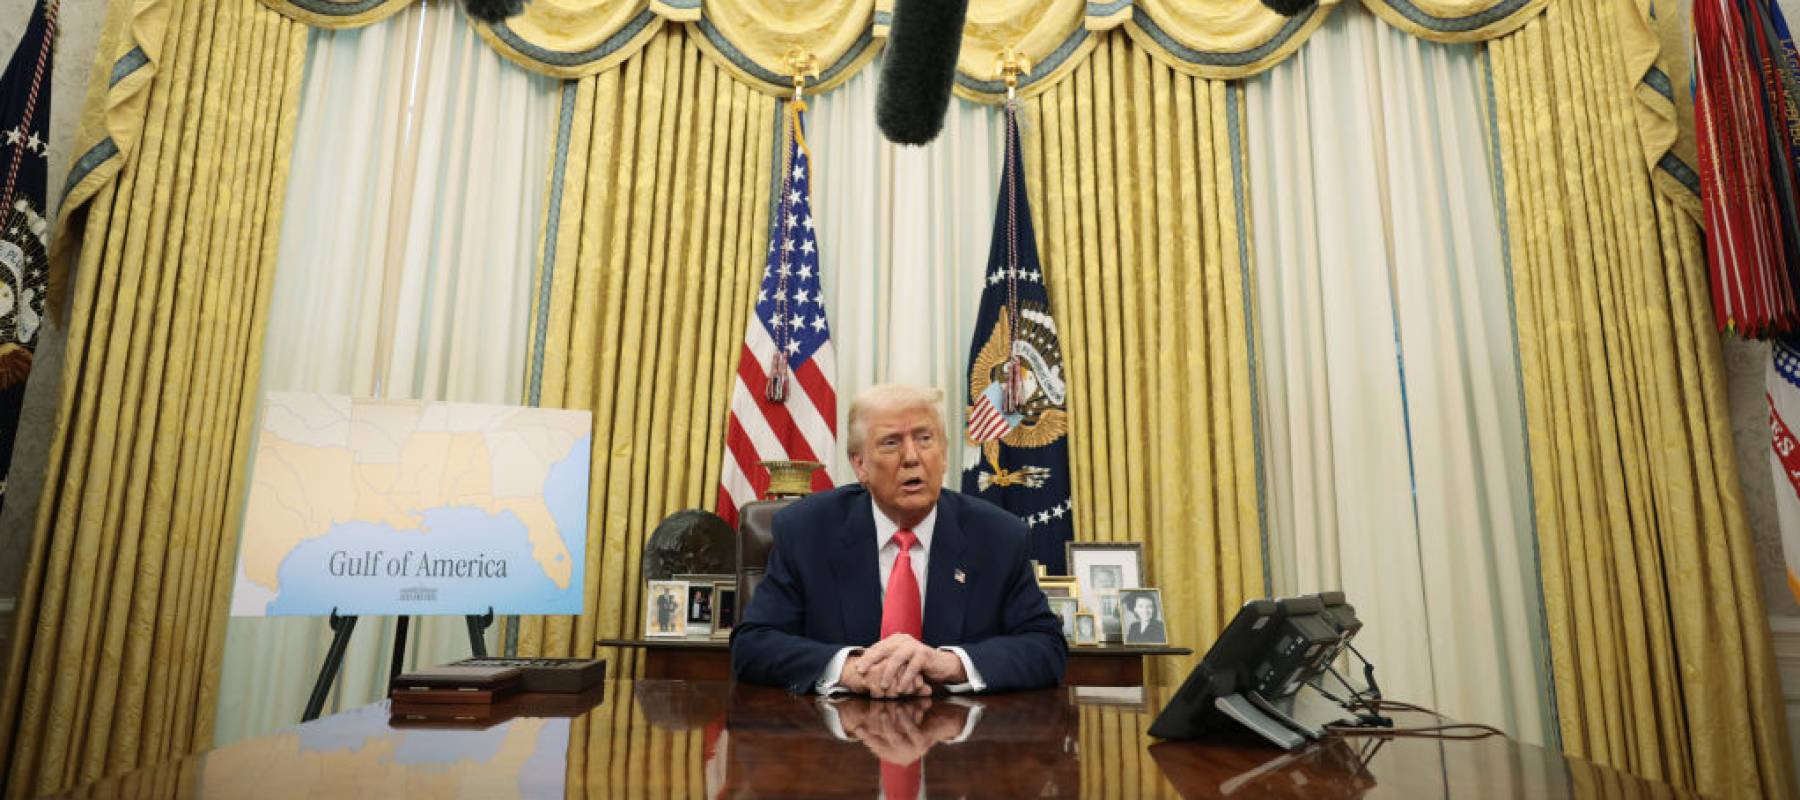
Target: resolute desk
[659,738]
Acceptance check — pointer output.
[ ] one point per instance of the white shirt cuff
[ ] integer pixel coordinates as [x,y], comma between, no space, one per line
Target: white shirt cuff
[828,680]
[975,684]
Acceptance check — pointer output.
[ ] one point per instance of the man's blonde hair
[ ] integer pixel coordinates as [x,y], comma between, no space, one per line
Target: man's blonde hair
[892,397]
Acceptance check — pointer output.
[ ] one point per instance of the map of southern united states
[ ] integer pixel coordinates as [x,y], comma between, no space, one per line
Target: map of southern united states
[324,460]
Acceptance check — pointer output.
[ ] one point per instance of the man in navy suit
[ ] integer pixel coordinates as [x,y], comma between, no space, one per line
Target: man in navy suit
[895,586]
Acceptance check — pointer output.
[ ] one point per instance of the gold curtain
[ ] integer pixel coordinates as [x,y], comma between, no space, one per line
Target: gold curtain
[1661,653]
[658,221]
[1221,39]
[1456,21]
[121,620]
[1134,176]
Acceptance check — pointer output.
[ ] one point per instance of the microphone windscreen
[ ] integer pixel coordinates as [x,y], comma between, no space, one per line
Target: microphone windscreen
[492,11]
[1288,8]
[923,42]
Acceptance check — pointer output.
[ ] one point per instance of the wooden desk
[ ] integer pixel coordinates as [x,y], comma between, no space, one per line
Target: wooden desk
[710,660]
[694,739]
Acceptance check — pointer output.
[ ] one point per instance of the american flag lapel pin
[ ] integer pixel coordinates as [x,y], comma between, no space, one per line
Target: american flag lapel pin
[962,577]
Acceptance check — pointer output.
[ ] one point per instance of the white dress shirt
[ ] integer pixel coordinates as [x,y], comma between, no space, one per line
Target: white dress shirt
[886,553]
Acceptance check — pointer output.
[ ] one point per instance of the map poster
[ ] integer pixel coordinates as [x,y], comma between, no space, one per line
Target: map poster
[406,507]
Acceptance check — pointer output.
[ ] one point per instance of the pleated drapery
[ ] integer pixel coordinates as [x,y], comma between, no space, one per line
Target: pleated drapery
[1394,433]
[121,619]
[405,272]
[657,229]
[755,39]
[1660,648]
[1135,175]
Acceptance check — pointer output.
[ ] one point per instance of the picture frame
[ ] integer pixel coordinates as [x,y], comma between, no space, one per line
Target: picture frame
[698,605]
[1059,586]
[1100,570]
[1065,609]
[707,582]
[664,614]
[1154,631]
[1087,635]
[724,608]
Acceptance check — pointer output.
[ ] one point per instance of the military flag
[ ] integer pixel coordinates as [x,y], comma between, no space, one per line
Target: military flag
[1018,421]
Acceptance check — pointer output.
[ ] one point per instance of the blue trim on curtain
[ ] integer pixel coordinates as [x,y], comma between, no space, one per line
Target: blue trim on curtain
[100,153]
[1232,121]
[1548,669]
[106,149]
[132,61]
[743,62]
[1659,81]
[565,123]
[1050,64]
[1680,171]
[1106,9]
[555,58]
[1237,59]
[1471,22]
[329,9]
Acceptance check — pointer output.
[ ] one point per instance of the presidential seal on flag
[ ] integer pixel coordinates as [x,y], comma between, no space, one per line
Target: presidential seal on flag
[1037,415]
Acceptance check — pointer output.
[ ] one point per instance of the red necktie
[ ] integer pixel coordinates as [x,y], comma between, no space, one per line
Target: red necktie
[901,781]
[900,608]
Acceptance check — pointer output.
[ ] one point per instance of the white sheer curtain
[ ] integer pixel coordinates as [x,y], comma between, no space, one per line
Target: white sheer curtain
[1394,429]
[903,242]
[405,272]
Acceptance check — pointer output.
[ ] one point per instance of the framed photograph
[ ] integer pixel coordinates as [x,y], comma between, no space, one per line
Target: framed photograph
[700,604]
[1065,609]
[1141,616]
[665,615]
[699,608]
[1087,630]
[1056,586]
[1101,569]
[1106,607]
[724,608]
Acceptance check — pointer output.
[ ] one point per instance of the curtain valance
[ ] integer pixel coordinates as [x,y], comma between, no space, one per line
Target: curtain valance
[757,40]
[1455,21]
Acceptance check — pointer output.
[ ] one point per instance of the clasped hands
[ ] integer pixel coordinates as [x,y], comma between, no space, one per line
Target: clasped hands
[901,733]
[901,666]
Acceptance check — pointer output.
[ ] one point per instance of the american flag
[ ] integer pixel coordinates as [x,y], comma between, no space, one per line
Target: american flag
[784,405]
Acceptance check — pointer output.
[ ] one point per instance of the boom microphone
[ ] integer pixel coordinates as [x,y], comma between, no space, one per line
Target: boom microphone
[1288,8]
[493,11]
[923,42]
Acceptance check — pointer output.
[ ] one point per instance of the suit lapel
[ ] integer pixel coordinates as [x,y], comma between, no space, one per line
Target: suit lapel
[859,574]
[945,596]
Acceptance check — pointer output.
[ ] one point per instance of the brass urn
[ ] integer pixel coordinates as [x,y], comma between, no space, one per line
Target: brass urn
[790,478]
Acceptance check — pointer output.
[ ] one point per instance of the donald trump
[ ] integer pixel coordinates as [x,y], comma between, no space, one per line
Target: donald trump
[894,586]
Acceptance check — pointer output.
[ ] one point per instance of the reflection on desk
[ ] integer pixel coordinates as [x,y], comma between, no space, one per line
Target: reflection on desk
[697,739]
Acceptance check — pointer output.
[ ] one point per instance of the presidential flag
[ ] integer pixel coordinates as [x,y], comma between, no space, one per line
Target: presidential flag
[1018,421]
[784,405]
[24,234]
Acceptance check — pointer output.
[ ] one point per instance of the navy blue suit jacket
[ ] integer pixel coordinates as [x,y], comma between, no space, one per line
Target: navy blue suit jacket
[822,592]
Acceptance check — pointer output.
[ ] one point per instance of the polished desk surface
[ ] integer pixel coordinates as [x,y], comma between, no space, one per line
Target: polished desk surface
[676,738]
